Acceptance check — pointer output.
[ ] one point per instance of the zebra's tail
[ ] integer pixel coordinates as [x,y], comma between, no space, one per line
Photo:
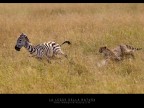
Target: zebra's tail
[68,42]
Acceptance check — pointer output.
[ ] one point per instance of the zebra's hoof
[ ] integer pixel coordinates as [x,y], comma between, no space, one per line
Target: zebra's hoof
[49,62]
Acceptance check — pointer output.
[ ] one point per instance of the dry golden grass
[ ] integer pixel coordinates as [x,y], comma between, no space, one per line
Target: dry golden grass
[87,26]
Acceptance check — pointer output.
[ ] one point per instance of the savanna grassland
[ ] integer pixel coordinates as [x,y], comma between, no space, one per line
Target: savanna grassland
[88,27]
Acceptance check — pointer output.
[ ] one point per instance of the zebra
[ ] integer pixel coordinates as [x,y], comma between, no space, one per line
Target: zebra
[48,49]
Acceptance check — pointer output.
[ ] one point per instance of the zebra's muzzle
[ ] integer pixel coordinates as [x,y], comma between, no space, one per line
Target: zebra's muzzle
[17,48]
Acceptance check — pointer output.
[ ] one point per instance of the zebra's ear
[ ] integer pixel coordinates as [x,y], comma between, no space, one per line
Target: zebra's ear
[27,38]
[21,34]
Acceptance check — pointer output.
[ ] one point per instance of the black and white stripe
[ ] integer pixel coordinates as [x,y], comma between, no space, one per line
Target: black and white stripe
[48,49]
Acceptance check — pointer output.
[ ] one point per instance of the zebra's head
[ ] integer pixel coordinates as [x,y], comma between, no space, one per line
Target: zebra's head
[21,41]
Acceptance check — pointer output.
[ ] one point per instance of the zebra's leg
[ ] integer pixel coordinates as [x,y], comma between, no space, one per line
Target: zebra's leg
[40,55]
[48,59]
[32,55]
[59,53]
[39,58]
[63,54]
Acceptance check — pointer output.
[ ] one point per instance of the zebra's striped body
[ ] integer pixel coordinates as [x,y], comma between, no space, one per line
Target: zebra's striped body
[48,49]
